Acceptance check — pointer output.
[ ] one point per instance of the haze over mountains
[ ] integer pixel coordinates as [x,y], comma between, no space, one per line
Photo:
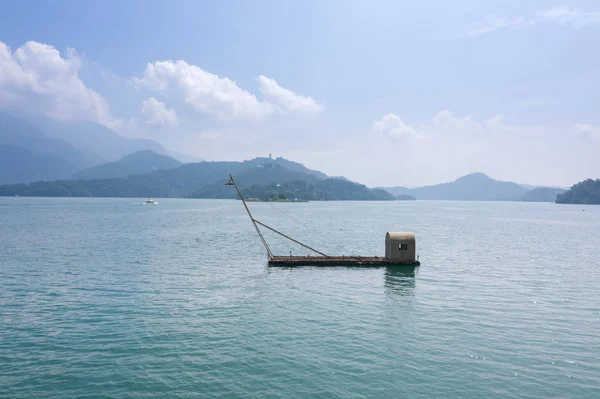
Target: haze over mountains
[200,180]
[81,158]
[147,174]
[478,187]
[133,164]
[35,147]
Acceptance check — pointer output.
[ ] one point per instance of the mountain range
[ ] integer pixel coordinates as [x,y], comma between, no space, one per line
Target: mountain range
[35,147]
[82,158]
[133,164]
[478,187]
[196,180]
[147,174]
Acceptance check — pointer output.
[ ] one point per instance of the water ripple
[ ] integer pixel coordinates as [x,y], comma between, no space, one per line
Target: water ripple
[102,298]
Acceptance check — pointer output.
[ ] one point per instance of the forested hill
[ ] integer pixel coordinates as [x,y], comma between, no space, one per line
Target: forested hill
[321,190]
[585,192]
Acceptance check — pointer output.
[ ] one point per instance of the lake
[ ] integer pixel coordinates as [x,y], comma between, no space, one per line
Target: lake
[112,298]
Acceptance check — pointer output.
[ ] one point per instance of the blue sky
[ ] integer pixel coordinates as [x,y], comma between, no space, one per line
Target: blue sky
[383,92]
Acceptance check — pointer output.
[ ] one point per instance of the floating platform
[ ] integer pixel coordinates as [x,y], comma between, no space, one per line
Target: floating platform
[400,248]
[362,261]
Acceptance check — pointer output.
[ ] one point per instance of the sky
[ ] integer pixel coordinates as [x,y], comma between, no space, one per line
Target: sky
[386,93]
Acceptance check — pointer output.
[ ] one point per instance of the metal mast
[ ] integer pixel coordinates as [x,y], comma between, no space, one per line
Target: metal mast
[232,182]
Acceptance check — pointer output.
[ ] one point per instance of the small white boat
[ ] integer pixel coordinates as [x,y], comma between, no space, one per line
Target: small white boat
[150,201]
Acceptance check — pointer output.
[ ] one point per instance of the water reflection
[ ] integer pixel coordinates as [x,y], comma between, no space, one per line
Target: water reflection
[400,280]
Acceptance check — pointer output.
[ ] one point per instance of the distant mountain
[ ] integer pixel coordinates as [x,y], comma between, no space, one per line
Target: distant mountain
[320,190]
[59,158]
[479,187]
[585,192]
[184,158]
[183,181]
[134,164]
[255,174]
[94,137]
[18,165]
[207,180]
[531,187]
[542,194]
[398,190]
[473,187]
[404,197]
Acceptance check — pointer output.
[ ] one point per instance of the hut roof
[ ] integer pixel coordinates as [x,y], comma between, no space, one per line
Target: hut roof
[400,236]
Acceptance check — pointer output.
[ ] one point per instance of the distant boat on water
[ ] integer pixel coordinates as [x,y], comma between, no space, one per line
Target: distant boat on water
[150,201]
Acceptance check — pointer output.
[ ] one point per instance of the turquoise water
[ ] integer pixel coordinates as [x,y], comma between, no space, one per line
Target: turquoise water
[110,298]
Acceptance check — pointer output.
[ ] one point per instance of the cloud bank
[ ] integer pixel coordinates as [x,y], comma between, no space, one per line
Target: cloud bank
[286,99]
[562,15]
[220,96]
[203,91]
[156,113]
[36,75]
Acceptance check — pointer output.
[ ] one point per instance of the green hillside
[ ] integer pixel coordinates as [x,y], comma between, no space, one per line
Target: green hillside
[321,190]
[585,192]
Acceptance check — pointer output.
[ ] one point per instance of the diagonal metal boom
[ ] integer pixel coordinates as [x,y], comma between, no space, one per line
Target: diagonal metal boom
[232,182]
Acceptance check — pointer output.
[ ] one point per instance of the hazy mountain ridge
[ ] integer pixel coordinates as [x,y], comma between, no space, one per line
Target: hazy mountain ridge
[133,164]
[478,187]
[94,137]
[63,148]
[42,148]
[39,156]
[182,181]
[201,180]
[542,194]
[397,190]
[18,164]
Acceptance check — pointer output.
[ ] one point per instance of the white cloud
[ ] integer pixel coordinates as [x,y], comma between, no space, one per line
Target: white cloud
[221,96]
[203,91]
[492,23]
[446,119]
[391,125]
[569,16]
[287,99]
[590,130]
[563,15]
[445,125]
[156,113]
[36,76]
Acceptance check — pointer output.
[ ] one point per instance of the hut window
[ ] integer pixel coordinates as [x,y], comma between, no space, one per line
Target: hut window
[403,247]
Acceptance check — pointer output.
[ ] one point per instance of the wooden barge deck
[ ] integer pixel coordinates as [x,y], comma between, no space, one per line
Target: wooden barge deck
[362,261]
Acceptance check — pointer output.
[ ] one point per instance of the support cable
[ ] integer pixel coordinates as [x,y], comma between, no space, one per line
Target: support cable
[290,238]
